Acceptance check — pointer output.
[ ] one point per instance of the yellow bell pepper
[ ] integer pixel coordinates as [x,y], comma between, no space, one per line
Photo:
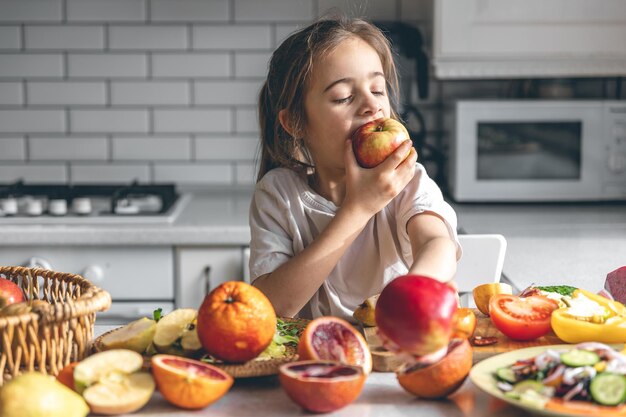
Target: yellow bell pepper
[608,327]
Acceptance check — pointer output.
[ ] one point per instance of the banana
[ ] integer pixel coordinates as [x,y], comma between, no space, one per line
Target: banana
[365,312]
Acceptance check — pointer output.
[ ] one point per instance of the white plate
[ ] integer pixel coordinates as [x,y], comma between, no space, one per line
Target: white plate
[482,375]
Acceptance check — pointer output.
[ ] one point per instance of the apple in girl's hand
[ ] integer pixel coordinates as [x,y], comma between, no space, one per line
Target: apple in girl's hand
[10,293]
[376,140]
[415,315]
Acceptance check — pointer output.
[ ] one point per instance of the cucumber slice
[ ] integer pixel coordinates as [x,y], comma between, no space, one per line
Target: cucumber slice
[579,357]
[608,389]
[506,374]
[526,385]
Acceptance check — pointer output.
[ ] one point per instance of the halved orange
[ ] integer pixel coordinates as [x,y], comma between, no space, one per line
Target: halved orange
[188,383]
[321,386]
[66,375]
[441,378]
[334,339]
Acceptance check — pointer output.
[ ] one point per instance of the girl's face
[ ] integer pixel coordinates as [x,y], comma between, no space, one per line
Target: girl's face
[347,89]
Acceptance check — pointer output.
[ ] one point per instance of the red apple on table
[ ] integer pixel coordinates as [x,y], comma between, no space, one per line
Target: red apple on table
[10,293]
[415,315]
[376,140]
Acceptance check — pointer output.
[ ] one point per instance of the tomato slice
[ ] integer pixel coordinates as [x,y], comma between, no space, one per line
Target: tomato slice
[522,318]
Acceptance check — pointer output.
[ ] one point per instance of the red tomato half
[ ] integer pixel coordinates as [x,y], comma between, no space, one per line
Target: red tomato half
[522,318]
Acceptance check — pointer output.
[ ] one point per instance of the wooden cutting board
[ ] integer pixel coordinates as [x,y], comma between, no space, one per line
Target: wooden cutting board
[385,361]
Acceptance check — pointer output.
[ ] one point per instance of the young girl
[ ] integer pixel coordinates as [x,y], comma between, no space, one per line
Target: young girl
[326,233]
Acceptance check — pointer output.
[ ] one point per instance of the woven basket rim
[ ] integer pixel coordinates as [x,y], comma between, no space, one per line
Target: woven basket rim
[92,298]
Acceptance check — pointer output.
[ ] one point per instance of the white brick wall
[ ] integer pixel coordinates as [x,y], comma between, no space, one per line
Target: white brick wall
[95,91]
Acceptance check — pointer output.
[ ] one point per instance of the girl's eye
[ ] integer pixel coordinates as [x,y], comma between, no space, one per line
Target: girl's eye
[378,93]
[343,100]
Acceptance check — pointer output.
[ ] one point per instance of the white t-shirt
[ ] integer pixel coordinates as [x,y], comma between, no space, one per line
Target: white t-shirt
[286,215]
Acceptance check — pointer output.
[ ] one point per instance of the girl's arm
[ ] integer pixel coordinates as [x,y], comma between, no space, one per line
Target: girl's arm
[434,252]
[292,285]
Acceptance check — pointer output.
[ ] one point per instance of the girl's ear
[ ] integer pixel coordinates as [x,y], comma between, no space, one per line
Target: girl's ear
[285,121]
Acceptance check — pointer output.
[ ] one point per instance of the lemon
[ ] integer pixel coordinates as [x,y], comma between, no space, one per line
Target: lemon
[483,293]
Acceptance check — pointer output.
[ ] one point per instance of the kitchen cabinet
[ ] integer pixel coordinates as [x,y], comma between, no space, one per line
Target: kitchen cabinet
[532,38]
[199,269]
[139,279]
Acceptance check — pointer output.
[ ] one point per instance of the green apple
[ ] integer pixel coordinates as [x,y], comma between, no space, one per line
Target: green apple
[136,335]
[176,333]
[112,382]
[373,142]
[34,394]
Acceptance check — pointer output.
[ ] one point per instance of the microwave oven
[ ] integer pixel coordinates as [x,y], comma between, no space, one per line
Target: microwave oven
[538,151]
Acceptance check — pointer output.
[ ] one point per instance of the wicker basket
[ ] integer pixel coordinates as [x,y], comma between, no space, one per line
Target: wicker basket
[52,334]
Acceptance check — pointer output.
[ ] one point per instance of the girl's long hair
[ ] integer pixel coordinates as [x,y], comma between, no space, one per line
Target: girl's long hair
[287,80]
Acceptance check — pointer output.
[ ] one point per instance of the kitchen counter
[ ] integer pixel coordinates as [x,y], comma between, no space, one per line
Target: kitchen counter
[382,396]
[219,217]
[551,244]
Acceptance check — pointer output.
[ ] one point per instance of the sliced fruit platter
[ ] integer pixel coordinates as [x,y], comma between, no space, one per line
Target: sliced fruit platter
[176,334]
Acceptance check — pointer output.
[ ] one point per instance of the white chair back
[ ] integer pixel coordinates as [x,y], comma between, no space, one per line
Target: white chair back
[481,263]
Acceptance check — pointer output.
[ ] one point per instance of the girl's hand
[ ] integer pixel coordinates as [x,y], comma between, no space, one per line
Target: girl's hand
[370,189]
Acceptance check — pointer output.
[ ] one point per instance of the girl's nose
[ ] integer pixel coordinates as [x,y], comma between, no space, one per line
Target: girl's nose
[370,104]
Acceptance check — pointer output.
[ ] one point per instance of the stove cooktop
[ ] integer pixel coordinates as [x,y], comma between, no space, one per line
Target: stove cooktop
[89,204]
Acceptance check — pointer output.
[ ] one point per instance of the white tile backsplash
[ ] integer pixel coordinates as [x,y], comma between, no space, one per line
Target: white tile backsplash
[194,173]
[23,65]
[32,120]
[12,148]
[151,148]
[66,93]
[273,10]
[11,94]
[227,93]
[226,149]
[190,10]
[109,173]
[231,37]
[252,64]
[68,148]
[10,37]
[32,10]
[107,65]
[96,91]
[40,173]
[107,121]
[106,11]
[192,120]
[64,37]
[191,65]
[149,93]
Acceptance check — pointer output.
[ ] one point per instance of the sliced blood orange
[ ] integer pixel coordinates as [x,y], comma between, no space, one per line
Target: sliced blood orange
[188,383]
[332,338]
[321,386]
[441,378]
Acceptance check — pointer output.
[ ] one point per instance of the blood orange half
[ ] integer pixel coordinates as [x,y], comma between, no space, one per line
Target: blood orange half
[321,386]
[188,383]
[332,338]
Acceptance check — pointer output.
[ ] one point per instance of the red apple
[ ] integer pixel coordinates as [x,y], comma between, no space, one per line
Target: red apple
[376,140]
[10,293]
[416,314]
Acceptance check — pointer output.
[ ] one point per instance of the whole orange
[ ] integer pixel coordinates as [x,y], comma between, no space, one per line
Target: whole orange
[464,325]
[441,378]
[236,322]
[188,383]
